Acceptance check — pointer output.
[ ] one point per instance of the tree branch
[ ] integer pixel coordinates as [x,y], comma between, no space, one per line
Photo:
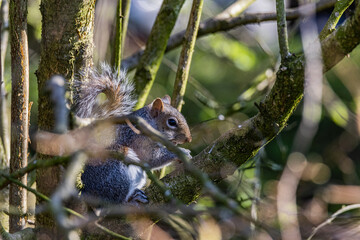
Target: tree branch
[341,41]
[282,29]
[215,25]
[183,70]
[339,9]
[155,47]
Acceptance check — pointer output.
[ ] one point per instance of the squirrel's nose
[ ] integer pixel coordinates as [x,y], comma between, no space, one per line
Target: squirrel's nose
[188,139]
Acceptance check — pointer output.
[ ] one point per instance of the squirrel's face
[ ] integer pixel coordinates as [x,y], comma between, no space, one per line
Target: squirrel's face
[170,121]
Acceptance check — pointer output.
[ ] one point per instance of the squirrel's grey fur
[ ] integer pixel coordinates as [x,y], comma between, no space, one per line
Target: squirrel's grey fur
[116,86]
[112,180]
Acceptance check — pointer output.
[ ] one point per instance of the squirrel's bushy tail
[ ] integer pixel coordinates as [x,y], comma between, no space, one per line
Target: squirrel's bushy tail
[118,96]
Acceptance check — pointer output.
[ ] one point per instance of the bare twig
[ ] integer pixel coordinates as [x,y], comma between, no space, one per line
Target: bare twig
[182,73]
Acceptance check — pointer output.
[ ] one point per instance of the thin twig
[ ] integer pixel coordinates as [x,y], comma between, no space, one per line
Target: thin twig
[282,29]
[182,73]
[333,217]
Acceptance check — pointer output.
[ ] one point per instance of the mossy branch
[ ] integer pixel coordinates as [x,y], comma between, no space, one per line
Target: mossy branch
[155,48]
[341,41]
[183,70]
[240,144]
[339,9]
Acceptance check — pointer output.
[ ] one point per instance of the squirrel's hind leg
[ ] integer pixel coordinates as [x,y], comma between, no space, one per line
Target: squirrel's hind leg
[137,197]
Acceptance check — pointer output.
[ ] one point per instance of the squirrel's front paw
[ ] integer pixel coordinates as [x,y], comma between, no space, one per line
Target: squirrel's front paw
[187,152]
[137,197]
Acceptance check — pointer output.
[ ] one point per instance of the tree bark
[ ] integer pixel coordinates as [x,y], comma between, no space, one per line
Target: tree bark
[66,48]
[19,108]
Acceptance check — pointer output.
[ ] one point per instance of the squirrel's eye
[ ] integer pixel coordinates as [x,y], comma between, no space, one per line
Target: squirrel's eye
[172,122]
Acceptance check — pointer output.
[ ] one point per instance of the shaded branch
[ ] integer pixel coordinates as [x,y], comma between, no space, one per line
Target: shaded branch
[214,25]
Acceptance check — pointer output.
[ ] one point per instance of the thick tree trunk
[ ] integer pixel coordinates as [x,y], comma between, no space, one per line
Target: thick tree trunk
[19,108]
[66,48]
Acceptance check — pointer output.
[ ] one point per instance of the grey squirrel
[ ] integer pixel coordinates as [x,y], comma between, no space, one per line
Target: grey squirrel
[111,180]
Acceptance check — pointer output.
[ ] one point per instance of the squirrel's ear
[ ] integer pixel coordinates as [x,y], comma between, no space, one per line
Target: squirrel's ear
[157,107]
[166,99]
